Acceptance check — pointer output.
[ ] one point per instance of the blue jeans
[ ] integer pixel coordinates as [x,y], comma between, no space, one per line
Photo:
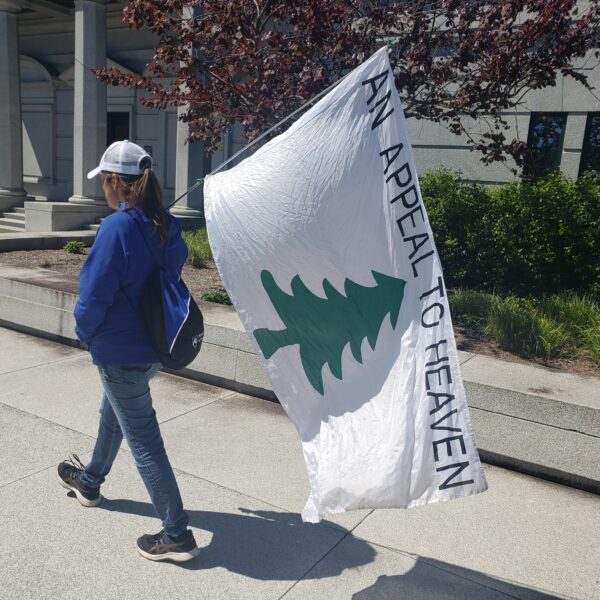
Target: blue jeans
[126,409]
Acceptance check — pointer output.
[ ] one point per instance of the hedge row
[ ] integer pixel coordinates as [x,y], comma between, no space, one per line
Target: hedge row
[519,238]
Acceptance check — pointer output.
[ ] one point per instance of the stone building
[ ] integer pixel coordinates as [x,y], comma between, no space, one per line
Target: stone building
[56,119]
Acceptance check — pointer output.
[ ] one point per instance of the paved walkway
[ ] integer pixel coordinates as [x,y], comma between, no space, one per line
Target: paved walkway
[239,464]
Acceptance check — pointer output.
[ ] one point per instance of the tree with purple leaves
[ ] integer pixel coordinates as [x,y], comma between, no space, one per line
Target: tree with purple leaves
[252,62]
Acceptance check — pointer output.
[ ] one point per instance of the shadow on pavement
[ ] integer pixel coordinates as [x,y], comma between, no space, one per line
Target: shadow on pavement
[278,546]
[265,545]
[431,578]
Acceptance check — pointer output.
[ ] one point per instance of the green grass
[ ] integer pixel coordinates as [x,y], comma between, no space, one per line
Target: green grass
[576,312]
[219,296]
[591,343]
[562,325]
[198,247]
[580,317]
[518,327]
[470,308]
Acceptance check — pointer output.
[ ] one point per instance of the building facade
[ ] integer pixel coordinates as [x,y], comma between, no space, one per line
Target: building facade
[56,119]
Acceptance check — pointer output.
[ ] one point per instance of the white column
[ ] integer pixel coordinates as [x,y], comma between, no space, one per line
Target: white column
[190,165]
[190,160]
[89,110]
[11,132]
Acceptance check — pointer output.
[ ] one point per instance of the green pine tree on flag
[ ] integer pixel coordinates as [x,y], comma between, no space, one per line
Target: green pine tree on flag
[323,326]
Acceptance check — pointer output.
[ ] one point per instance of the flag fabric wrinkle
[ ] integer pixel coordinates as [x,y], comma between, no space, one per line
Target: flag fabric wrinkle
[322,242]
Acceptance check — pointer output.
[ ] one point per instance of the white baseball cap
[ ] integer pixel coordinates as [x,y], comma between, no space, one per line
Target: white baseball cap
[123,157]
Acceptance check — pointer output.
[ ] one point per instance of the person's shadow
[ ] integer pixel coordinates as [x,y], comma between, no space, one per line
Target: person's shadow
[278,546]
[266,545]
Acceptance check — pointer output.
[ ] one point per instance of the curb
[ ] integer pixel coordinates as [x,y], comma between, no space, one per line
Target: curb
[540,471]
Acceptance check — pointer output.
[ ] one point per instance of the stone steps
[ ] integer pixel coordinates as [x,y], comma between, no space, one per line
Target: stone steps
[10,229]
[94,226]
[12,221]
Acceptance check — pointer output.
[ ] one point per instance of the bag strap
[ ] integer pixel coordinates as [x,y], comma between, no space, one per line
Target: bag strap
[152,252]
[143,232]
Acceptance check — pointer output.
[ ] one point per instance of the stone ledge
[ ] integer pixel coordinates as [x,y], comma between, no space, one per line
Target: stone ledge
[553,413]
[44,241]
[61,216]
[545,437]
[41,302]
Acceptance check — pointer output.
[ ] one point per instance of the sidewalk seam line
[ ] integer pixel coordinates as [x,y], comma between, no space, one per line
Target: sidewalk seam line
[333,526]
[125,448]
[197,408]
[487,410]
[41,365]
[224,487]
[348,532]
[36,472]
[47,420]
[467,360]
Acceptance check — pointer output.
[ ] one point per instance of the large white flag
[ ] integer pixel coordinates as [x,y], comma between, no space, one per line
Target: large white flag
[323,244]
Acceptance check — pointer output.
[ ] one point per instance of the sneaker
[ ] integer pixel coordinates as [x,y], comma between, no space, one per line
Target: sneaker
[162,547]
[69,472]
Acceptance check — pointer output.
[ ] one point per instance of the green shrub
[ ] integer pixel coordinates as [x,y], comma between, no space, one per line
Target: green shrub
[547,235]
[74,247]
[459,215]
[521,238]
[219,296]
[198,247]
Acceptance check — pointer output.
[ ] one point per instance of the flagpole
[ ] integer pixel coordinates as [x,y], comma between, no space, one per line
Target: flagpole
[200,180]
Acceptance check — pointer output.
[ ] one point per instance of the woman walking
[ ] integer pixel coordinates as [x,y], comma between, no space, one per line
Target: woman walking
[108,320]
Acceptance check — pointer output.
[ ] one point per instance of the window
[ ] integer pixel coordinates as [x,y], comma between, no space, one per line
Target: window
[590,153]
[544,143]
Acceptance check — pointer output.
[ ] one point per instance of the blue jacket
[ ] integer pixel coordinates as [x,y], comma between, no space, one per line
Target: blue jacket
[111,281]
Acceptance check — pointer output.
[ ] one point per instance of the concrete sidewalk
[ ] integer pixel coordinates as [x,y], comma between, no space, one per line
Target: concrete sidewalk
[239,465]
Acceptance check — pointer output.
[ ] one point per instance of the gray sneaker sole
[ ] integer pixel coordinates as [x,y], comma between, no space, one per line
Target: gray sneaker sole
[174,556]
[82,499]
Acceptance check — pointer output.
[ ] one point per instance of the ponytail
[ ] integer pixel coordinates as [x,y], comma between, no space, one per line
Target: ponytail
[144,192]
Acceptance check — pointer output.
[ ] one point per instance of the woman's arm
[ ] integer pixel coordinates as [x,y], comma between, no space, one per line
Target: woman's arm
[100,278]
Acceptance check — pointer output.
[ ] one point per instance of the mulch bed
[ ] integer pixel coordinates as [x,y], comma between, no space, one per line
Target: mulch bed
[206,279]
[199,281]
